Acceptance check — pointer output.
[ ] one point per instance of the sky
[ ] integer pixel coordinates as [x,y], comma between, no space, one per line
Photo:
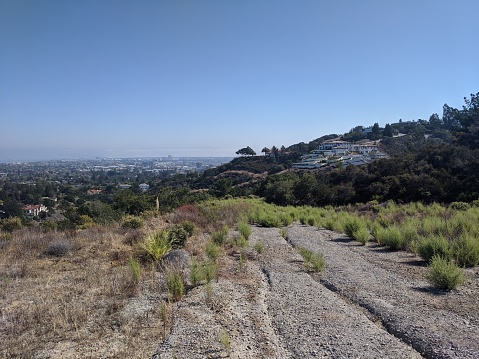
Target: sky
[143,78]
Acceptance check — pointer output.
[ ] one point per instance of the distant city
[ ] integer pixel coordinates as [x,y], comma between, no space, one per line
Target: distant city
[74,168]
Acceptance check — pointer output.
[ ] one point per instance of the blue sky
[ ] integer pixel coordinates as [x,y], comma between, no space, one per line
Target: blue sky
[205,78]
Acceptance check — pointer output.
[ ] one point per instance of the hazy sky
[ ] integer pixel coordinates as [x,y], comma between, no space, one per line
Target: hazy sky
[205,78]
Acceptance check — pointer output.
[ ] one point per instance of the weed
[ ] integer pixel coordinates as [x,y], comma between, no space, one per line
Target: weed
[465,250]
[429,247]
[196,273]
[219,237]
[259,247]
[244,229]
[314,262]
[225,341]
[135,268]
[283,233]
[361,235]
[11,224]
[210,271]
[241,242]
[175,286]
[157,245]
[132,222]
[212,250]
[444,274]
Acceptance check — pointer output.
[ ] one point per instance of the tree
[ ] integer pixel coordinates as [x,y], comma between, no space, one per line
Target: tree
[266,150]
[388,130]
[246,151]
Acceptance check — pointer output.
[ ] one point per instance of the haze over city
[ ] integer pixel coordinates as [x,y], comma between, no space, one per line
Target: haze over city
[205,78]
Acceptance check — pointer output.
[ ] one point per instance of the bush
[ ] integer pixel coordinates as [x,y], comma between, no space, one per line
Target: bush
[157,245]
[196,273]
[244,229]
[444,274]
[460,206]
[135,268]
[11,224]
[58,249]
[391,237]
[177,236]
[210,271]
[312,261]
[219,237]
[212,251]
[259,247]
[132,222]
[465,250]
[351,225]
[432,246]
[361,235]
[175,286]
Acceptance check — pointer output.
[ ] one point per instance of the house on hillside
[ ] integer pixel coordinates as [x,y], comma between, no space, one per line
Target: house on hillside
[34,210]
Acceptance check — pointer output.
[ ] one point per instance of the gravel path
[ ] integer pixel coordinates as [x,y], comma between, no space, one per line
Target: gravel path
[367,303]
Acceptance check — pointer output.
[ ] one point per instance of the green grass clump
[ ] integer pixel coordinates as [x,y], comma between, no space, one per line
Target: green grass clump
[356,228]
[219,237]
[196,273]
[259,247]
[361,235]
[135,268]
[314,262]
[157,245]
[175,286]
[212,251]
[244,229]
[132,222]
[444,274]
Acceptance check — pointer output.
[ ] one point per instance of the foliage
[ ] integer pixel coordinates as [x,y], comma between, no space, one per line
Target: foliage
[244,229]
[135,268]
[177,236]
[11,224]
[58,248]
[246,151]
[219,237]
[157,245]
[465,250]
[175,286]
[259,247]
[314,262]
[444,274]
[212,250]
[433,246]
[132,222]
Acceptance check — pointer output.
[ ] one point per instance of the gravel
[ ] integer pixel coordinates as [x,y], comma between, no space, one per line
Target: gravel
[367,303]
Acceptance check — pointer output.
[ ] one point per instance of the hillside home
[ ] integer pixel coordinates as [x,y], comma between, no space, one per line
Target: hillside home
[33,210]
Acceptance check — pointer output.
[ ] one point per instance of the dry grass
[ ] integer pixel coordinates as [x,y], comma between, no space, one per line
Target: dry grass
[84,302]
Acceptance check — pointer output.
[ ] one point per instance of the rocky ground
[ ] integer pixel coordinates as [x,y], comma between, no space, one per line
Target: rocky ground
[367,303]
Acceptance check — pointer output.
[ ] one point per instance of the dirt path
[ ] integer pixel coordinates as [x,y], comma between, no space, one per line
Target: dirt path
[367,303]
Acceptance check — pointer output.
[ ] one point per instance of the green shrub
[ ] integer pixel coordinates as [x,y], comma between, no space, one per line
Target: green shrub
[177,236]
[219,237]
[259,247]
[429,247]
[157,245]
[189,227]
[391,237]
[283,233]
[312,261]
[460,206]
[311,221]
[244,229]
[361,235]
[134,268]
[465,250]
[269,220]
[212,250]
[175,286]
[444,274]
[210,271]
[351,225]
[4,237]
[196,273]
[132,222]
[11,224]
